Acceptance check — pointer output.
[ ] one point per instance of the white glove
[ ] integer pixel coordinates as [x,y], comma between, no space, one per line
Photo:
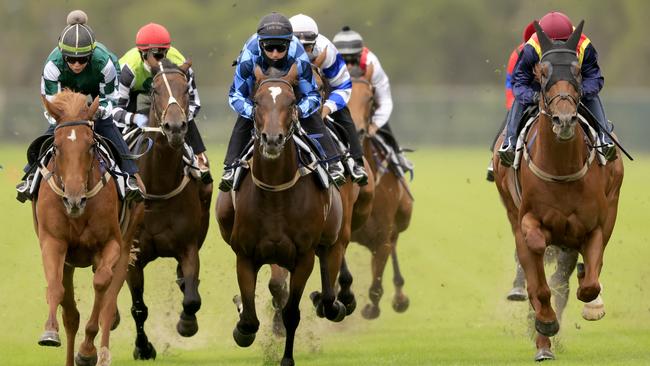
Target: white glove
[49,118]
[140,120]
[101,113]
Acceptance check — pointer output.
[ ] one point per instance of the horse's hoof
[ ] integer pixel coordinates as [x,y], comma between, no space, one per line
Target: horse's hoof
[81,360]
[50,338]
[145,353]
[338,313]
[116,321]
[287,362]
[242,339]
[104,357]
[547,329]
[400,304]
[517,294]
[370,312]
[278,325]
[350,306]
[594,310]
[187,325]
[544,354]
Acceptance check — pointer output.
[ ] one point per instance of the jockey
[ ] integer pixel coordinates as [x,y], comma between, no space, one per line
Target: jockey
[135,79]
[557,26]
[510,97]
[274,46]
[335,71]
[82,65]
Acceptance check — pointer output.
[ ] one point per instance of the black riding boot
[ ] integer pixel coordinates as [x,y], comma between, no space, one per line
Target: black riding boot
[344,119]
[241,135]
[315,128]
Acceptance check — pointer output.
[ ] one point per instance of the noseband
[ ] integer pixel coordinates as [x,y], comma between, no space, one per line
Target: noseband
[292,127]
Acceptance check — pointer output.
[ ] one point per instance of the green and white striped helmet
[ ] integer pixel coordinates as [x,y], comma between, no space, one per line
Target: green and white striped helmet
[77,40]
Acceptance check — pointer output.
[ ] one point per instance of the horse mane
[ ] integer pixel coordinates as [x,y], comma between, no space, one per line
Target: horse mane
[69,102]
[272,72]
[356,71]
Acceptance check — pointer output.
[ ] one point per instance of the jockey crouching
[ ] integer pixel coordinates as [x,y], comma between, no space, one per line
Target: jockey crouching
[335,71]
[527,90]
[275,46]
[85,66]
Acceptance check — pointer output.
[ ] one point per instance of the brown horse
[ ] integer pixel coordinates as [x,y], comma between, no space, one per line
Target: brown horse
[277,217]
[357,205]
[76,220]
[565,200]
[176,219]
[392,205]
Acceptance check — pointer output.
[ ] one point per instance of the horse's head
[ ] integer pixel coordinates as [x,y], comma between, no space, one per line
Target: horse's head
[274,112]
[74,147]
[361,101]
[170,100]
[558,73]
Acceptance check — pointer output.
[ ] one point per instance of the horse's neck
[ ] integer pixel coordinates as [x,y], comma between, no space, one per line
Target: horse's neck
[555,156]
[275,171]
[163,165]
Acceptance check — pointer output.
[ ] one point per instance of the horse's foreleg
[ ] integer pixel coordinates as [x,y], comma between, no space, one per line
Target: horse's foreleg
[248,324]
[53,253]
[280,294]
[400,300]
[592,252]
[376,291]
[70,314]
[345,295]
[189,265]
[291,312]
[144,350]
[101,282]
[566,263]
[531,245]
[330,262]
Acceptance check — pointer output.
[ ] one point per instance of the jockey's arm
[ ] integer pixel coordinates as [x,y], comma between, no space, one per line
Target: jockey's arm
[310,101]
[524,85]
[126,83]
[107,89]
[383,95]
[592,79]
[242,84]
[195,101]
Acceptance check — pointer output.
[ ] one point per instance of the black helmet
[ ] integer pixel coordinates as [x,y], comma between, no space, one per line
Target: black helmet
[348,42]
[275,26]
[77,40]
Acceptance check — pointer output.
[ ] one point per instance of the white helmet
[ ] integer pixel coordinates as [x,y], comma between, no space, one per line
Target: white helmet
[304,28]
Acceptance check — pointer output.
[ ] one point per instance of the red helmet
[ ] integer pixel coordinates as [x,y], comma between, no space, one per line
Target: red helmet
[152,35]
[529,31]
[556,25]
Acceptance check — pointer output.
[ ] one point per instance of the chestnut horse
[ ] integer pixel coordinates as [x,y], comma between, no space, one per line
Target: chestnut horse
[277,217]
[176,220]
[392,205]
[565,200]
[357,204]
[76,220]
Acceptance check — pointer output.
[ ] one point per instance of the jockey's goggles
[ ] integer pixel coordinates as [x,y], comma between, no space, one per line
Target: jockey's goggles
[352,59]
[278,46]
[306,38]
[157,53]
[77,60]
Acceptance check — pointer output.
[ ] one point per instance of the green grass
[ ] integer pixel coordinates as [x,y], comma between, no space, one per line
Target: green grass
[457,260]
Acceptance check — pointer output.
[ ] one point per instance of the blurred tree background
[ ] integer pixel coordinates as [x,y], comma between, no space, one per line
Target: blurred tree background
[445,58]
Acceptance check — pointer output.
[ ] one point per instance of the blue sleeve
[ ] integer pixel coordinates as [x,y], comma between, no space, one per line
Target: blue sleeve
[243,80]
[310,100]
[592,80]
[523,78]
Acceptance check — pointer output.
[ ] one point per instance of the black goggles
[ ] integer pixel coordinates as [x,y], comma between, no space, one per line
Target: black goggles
[279,47]
[77,60]
[157,53]
[351,59]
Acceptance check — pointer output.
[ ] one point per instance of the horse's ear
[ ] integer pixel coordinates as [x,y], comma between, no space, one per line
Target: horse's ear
[321,58]
[369,71]
[259,74]
[186,65]
[51,109]
[93,109]
[573,40]
[292,75]
[544,41]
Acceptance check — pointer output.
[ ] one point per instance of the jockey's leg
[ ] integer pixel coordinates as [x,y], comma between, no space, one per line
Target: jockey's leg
[387,132]
[134,187]
[194,139]
[490,168]
[23,188]
[596,108]
[241,134]
[343,117]
[507,150]
[315,127]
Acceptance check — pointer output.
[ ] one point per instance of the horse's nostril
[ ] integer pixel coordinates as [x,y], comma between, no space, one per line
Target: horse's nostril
[184,125]
[82,202]
[280,137]
[556,120]
[166,126]
[66,201]
[264,137]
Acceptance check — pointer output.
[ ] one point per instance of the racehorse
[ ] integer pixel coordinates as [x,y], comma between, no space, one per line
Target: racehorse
[176,220]
[76,220]
[357,204]
[564,199]
[278,217]
[392,204]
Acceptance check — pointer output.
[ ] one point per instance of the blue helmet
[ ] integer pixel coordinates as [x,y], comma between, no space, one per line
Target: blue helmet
[275,26]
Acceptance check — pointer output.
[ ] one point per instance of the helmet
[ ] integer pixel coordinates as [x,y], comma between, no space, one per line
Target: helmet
[77,40]
[529,31]
[556,25]
[275,26]
[348,42]
[304,28]
[152,35]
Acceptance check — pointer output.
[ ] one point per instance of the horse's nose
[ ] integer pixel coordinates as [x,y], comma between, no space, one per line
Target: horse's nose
[272,139]
[175,127]
[74,204]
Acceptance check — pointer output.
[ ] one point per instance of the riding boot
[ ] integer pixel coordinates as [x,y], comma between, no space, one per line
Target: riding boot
[315,128]
[358,171]
[605,127]
[23,188]
[193,138]
[135,190]
[387,132]
[507,150]
[241,134]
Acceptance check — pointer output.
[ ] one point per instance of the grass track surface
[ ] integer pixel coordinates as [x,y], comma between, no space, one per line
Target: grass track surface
[456,258]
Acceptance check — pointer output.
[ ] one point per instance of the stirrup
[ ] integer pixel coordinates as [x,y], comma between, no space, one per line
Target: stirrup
[490,171]
[359,175]
[507,155]
[227,180]
[335,171]
[22,190]
[133,191]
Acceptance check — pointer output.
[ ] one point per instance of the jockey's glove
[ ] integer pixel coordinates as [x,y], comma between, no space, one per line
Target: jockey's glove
[140,120]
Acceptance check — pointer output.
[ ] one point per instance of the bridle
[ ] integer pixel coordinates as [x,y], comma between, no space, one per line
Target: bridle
[294,115]
[160,118]
[560,96]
